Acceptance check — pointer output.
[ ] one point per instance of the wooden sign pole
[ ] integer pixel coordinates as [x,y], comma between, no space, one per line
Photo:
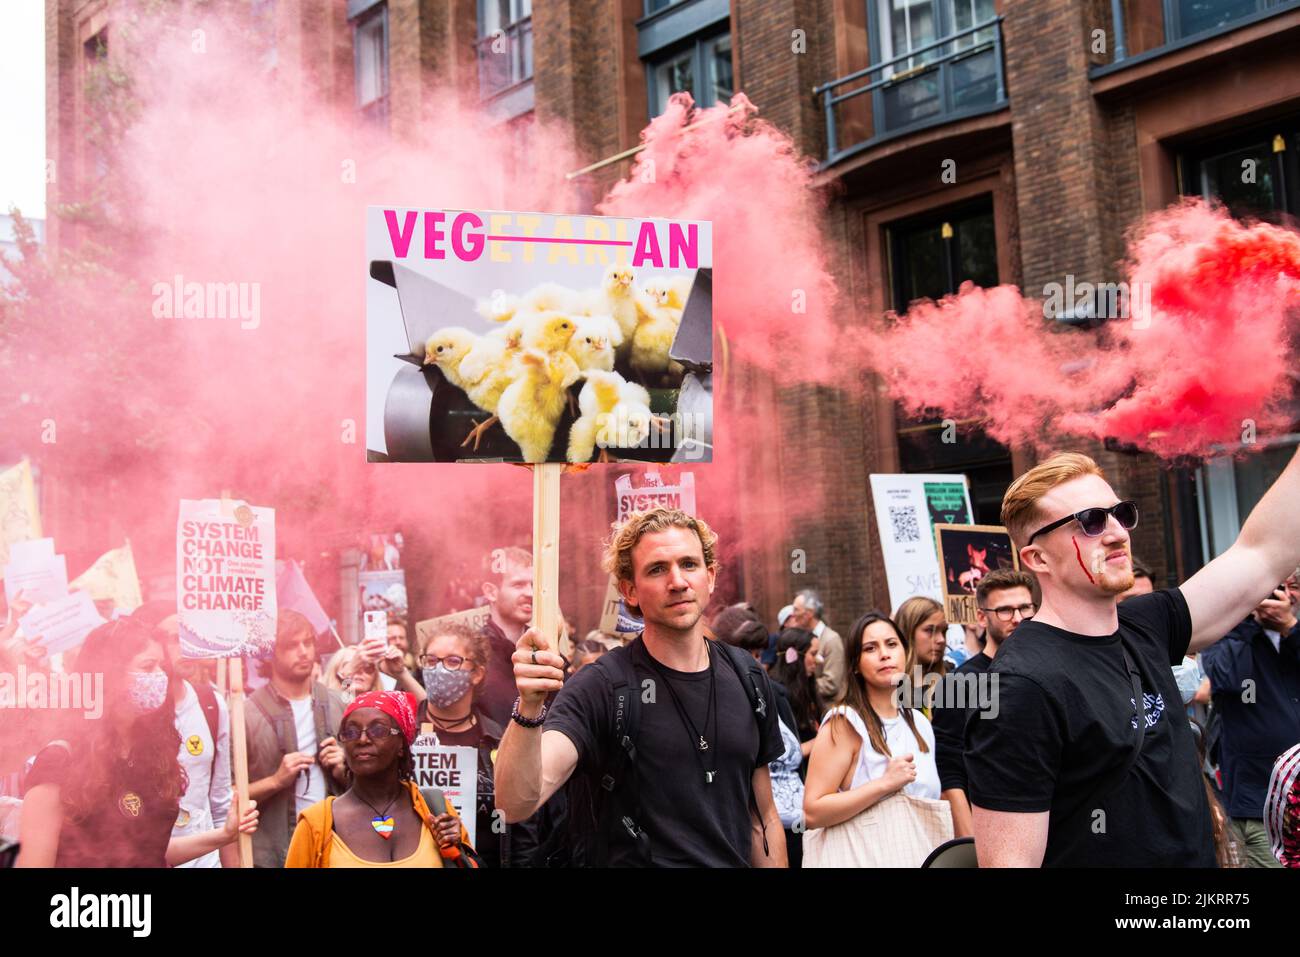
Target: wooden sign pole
[546,551]
[239,753]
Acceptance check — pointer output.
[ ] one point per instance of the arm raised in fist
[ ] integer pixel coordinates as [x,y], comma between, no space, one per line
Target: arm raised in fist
[532,763]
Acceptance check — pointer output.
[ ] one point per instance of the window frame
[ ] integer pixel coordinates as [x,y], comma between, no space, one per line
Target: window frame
[372,12]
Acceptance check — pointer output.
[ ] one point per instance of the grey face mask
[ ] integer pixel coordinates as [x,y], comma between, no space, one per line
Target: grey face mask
[445,687]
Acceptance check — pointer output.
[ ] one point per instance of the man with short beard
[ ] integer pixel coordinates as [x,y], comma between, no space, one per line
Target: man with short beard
[687,785]
[1004,601]
[1089,761]
[508,588]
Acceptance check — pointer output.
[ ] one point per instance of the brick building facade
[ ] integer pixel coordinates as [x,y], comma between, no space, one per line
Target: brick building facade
[1062,120]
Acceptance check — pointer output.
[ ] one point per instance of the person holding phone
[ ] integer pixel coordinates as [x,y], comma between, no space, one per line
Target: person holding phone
[1254,674]
[381,820]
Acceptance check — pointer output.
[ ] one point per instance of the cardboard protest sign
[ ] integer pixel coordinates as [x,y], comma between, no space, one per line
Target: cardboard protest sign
[20,519]
[907,509]
[508,336]
[966,554]
[112,577]
[452,770]
[473,618]
[225,576]
[63,623]
[36,571]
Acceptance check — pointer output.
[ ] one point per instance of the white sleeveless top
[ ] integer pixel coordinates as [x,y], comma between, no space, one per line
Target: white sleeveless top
[872,764]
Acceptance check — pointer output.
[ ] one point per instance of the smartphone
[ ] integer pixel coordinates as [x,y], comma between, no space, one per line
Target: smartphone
[376,626]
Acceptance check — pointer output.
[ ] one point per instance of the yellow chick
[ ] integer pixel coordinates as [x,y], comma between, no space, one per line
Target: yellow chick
[616,297]
[594,340]
[531,406]
[485,371]
[446,348]
[614,413]
[547,331]
[671,291]
[651,341]
[500,307]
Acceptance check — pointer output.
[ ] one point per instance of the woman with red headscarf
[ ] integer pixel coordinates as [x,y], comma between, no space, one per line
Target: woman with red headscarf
[381,820]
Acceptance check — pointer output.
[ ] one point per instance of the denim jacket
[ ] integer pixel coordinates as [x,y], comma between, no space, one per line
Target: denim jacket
[271,734]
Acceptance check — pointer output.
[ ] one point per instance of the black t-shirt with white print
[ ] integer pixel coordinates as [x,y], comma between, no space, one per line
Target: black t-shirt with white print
[689,823]
[1065,722]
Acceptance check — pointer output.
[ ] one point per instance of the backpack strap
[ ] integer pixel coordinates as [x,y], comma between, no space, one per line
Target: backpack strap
[207,696]
[1108,785]
[749,673]
[617,800]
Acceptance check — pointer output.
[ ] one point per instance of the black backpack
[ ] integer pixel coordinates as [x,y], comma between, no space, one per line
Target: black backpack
[598,808]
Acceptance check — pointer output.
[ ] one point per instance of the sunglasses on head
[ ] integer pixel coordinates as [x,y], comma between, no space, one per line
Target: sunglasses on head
[1093,520]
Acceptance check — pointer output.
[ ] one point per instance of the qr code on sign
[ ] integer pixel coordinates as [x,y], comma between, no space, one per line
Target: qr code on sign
[903,520]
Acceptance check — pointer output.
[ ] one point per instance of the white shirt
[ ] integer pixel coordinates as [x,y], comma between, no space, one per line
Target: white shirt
[314,790]
[872,764]
[206,800]
[1276,638]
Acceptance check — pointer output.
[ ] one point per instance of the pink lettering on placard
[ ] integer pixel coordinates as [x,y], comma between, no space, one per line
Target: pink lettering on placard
[433,235]
[401,239]
[683,246]
[468,246]
[647,246]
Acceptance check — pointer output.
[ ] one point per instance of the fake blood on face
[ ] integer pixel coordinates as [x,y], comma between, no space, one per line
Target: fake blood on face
[1079,555]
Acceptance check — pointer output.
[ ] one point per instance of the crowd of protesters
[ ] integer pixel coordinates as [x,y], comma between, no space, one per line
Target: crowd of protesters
[713,737]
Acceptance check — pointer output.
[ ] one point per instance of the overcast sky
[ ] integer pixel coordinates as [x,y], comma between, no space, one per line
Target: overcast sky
[22,106]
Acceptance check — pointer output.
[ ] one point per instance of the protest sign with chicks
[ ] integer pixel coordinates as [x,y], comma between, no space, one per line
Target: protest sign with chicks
[531,337]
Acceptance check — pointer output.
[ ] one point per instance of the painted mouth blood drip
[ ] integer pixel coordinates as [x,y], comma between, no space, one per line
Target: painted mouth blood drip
[1079,555]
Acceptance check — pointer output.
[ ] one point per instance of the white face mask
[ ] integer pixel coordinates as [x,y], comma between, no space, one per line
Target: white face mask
[1188,677]
[148,689]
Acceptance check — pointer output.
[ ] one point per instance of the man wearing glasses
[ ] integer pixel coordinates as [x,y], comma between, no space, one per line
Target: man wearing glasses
[1088,762]
[1005,599]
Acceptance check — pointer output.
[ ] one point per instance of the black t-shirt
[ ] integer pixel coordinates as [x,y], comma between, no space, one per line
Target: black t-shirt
[689,823]
[950,729]
[497,699]
[131,827]
[484,736]
[1065,721]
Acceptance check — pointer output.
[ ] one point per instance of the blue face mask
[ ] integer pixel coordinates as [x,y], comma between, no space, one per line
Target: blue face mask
[445,687]
[148,689]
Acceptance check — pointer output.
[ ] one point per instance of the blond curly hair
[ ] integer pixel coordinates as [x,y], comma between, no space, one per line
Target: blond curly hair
[618,550]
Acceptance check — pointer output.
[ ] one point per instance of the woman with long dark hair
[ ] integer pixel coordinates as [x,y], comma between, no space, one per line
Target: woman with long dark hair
[107,795]
[795,670]
[869,749]
[381,820]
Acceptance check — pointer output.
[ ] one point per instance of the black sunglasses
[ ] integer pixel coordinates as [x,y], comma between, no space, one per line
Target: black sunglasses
[1093,520]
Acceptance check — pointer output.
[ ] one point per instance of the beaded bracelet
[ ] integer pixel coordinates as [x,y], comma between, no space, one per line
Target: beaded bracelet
[520,720]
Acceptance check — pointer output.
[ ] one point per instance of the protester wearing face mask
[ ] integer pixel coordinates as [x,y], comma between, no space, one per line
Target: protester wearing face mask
[108,792]
[454,663]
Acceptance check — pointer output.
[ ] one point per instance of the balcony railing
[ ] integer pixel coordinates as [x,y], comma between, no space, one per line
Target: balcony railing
[499,69]
[958,75]
[1147,28]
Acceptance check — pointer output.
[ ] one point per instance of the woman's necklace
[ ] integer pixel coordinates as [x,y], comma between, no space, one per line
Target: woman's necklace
[449,724]
[382,822]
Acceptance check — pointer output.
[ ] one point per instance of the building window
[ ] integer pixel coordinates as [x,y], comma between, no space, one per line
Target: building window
[702,68]
[1189,17]
[930,257]
[962,71]
[370,46]
[505,45]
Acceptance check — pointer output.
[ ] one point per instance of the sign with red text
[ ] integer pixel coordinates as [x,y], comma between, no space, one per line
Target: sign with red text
[533,337]
[225,578]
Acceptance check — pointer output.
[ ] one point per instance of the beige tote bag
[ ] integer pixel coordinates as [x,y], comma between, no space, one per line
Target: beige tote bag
[899,831]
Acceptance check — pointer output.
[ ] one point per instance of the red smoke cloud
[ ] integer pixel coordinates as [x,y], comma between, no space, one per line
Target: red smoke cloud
[1205,360]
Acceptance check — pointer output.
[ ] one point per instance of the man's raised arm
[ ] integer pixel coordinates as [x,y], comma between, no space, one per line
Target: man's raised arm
[1265,553]
[531,763]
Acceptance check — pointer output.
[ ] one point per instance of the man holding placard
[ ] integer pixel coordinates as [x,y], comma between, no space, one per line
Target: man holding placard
[670,736]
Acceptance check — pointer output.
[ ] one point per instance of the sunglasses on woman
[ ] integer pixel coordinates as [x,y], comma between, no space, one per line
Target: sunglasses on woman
[1093,520]
[376,731]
